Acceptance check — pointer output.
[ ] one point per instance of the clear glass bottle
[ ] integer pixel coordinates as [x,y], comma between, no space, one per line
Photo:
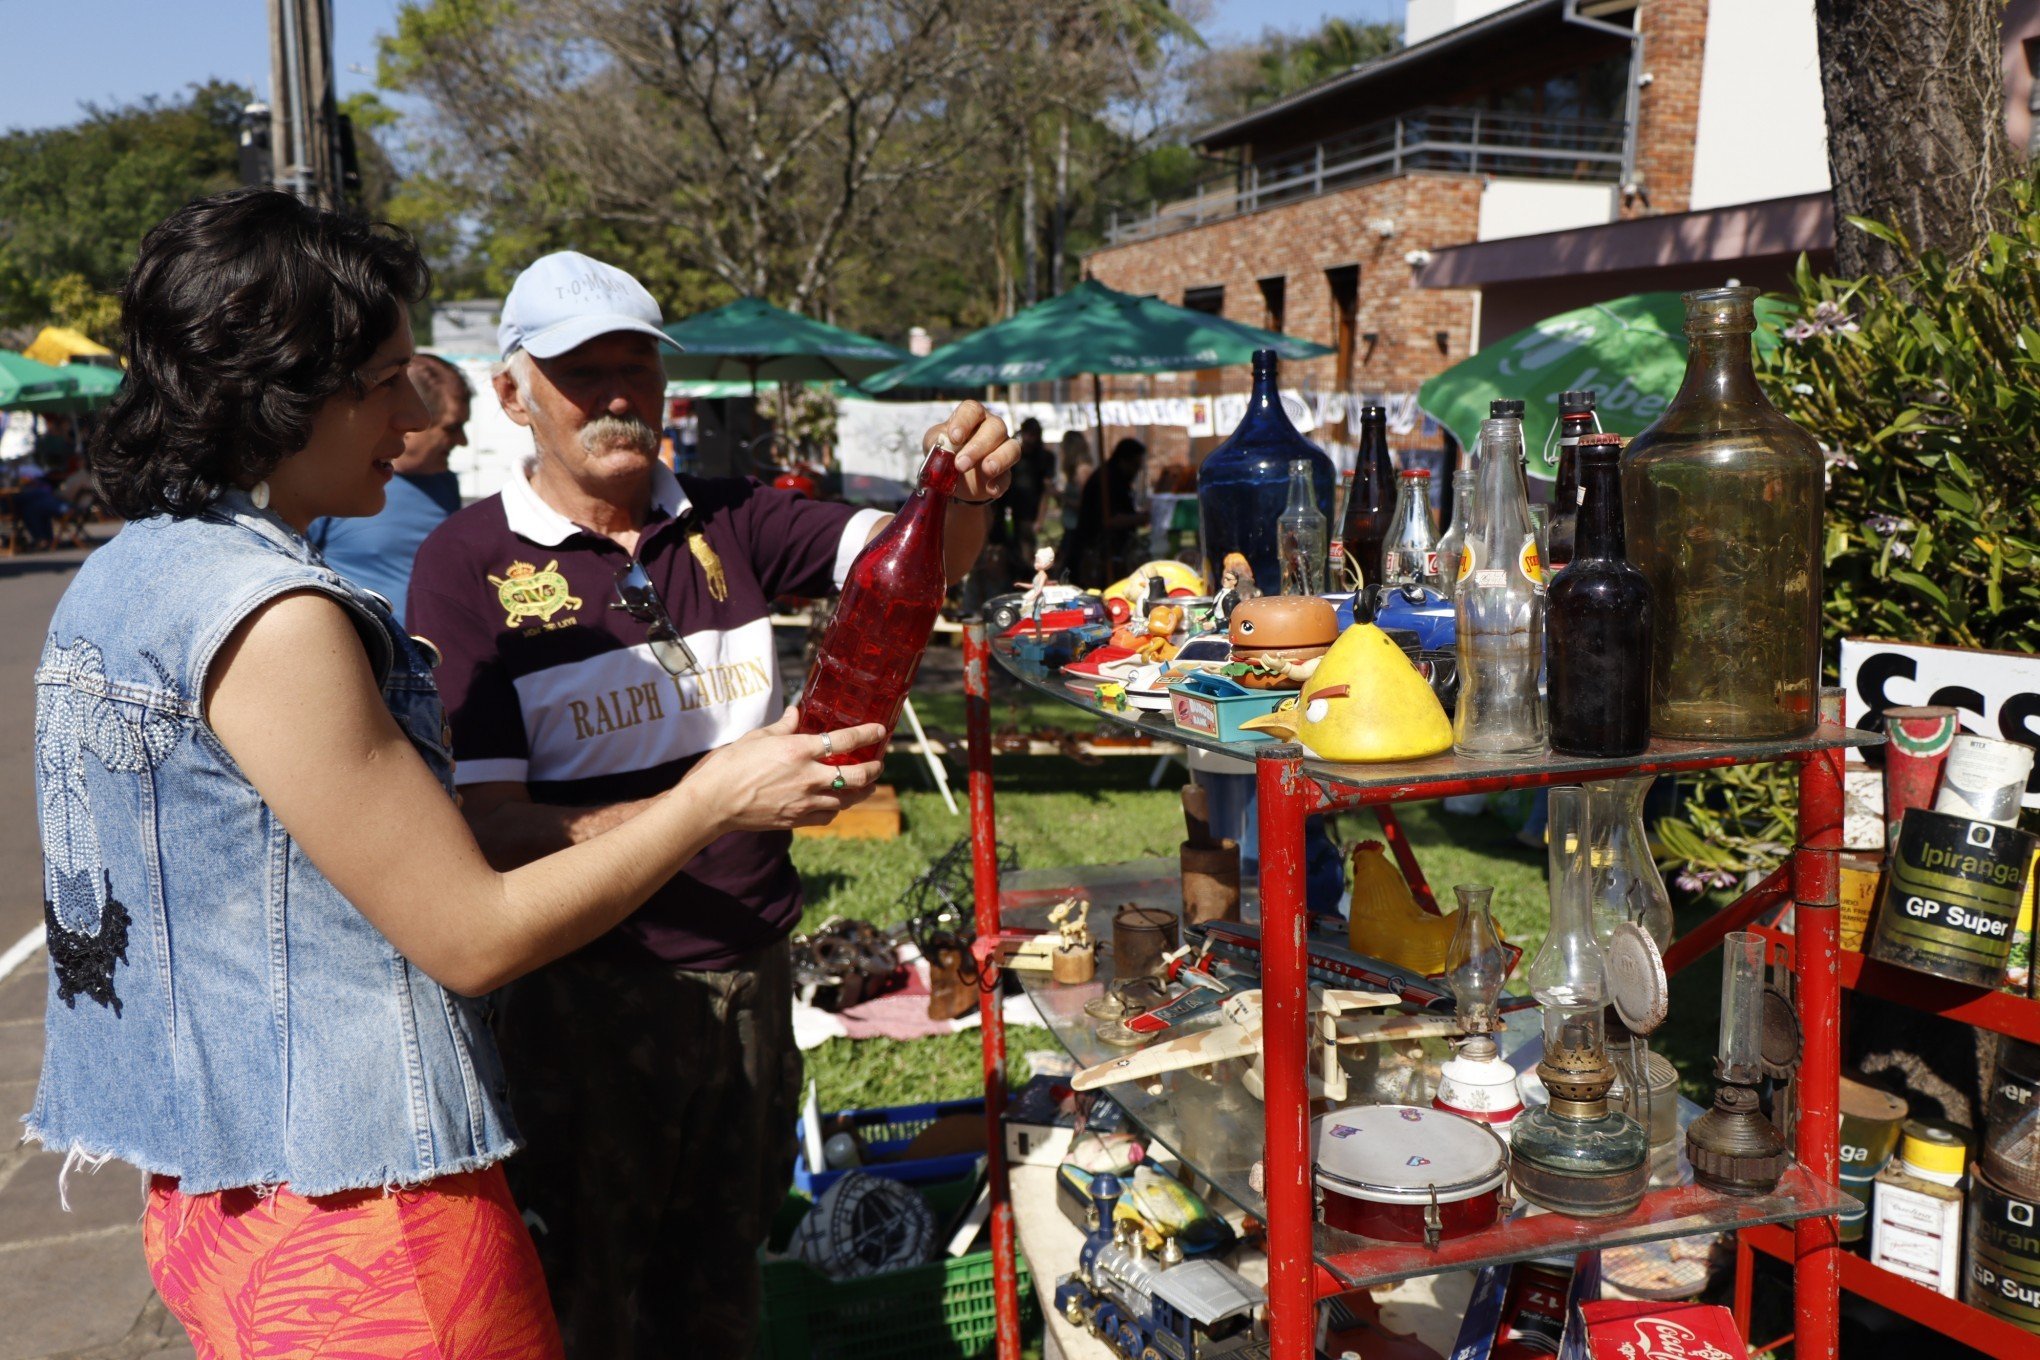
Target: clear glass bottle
[1723,502]
[1243,485]
[1300,535]
[1598,627]
[1454,536]
[1500,603]
[1370,507]
[1410,558]
[1624,875]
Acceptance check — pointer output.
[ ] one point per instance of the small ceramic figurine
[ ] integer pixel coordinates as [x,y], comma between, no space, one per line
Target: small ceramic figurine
[1235,583]
[1076,956]
[1037,589]
[1162,622]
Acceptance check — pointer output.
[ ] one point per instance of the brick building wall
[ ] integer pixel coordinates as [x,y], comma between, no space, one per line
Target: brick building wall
[1299,242]
[1668,109]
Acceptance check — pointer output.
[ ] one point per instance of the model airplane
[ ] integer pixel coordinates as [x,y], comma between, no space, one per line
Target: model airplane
[1239,1036]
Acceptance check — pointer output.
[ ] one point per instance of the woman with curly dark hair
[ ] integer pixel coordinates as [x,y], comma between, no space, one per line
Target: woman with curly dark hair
[266,916]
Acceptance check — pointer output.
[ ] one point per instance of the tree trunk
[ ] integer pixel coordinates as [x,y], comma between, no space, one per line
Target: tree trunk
[1030,243]
[1916,123]
[1059,226]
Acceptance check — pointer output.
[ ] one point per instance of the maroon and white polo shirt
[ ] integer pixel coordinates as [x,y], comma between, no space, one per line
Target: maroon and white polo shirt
[547,685]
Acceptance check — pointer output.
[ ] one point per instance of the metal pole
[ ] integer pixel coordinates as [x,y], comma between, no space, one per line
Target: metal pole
[1285,1038]
[1817,959]
[984,860]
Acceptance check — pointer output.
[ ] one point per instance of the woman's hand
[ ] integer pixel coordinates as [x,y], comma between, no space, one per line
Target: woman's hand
[985,457]
[773,778]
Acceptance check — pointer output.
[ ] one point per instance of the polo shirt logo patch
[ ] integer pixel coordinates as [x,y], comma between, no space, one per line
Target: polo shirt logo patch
[525,591]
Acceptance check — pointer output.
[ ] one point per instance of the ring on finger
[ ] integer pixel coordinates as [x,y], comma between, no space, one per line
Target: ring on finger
[828,745]
[837,783]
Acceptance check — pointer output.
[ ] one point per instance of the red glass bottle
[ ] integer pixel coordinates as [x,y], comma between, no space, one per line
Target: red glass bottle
[873,644]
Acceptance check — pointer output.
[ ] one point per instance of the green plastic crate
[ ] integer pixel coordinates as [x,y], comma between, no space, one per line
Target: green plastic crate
[941,1311]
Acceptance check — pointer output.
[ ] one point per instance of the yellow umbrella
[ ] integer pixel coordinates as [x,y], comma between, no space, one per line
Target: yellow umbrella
[58,345]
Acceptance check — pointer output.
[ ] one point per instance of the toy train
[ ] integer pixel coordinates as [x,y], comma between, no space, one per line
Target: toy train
[1146,1306]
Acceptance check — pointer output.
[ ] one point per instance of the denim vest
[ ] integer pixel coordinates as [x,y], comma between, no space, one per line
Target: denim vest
[217,1011]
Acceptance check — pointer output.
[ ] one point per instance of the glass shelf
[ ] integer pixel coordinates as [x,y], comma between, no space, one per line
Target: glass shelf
[1354,785]
[1208,1120]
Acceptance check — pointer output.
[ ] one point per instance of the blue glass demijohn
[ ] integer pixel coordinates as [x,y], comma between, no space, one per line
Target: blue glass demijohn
[1244,483]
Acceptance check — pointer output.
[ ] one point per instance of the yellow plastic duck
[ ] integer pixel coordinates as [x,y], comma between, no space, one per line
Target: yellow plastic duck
[1385,921]
[1365,702]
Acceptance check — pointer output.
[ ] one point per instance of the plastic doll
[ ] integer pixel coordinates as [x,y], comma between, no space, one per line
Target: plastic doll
[1235,583]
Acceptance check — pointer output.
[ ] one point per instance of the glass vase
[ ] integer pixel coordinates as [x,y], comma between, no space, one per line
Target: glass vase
[1723,507]
[1243,485]
[1624,878]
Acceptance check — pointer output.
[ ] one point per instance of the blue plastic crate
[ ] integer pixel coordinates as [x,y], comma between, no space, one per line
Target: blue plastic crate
[886,1131]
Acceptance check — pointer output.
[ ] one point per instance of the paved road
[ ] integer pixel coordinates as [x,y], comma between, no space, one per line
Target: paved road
[73,1285]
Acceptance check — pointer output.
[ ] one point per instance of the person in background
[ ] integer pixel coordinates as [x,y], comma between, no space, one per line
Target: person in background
[1032,477]
[1109,519]
[376,552]
[1073,468]
[606,628]
[38,505]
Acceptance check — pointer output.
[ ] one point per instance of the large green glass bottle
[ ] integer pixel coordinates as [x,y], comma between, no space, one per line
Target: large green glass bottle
[1722,498]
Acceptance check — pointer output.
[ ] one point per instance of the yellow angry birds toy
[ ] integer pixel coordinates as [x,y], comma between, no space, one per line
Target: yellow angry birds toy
[1174,575]
[1365,702]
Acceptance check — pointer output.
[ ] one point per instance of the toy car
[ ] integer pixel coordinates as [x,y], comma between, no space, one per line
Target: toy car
[1061,607]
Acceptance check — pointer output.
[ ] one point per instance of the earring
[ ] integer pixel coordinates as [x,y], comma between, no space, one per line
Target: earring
[259,494]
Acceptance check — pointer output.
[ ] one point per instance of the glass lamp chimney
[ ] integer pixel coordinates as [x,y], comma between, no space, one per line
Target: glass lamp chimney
[1742,1007]
[1476,965]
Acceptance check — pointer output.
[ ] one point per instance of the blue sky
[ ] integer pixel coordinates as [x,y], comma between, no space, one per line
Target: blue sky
[58,55]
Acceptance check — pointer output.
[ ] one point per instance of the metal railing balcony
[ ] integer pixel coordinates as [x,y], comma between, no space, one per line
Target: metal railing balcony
[1460,140]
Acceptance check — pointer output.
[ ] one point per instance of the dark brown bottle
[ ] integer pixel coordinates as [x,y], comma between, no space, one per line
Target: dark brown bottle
[1370,507]
[1575,422]
[1598,624]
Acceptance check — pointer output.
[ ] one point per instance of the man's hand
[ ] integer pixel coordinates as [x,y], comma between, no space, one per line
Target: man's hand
[985,456]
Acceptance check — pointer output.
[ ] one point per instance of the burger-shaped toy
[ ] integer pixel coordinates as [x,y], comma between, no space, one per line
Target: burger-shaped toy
[1278,639]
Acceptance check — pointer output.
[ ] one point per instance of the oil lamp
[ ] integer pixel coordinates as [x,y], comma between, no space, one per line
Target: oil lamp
[1476,1082]
[1575,1155]
[1733,1148]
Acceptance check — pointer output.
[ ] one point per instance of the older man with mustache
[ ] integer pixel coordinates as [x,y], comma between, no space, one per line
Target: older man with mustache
[604,624]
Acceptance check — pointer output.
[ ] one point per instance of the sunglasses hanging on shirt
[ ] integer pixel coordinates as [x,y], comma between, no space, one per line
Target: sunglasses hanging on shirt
[636,596]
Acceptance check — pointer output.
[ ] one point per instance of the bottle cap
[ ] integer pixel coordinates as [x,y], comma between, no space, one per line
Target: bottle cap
[1571,402]
[1425,473]
[1603,440]
[1928,1147]
[1502,410]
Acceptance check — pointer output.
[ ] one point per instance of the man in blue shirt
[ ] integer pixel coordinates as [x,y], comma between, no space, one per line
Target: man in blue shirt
[377,552]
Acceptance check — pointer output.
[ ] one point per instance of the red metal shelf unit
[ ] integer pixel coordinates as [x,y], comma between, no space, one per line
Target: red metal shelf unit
[1287,795]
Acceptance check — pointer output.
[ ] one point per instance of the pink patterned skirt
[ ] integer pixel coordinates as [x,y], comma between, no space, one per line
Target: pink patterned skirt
[443,1271]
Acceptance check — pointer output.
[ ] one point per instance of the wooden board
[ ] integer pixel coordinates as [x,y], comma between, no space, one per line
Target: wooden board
[877,818]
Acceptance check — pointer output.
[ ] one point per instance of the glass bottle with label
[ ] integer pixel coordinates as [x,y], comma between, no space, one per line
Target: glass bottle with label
[1300,535]
[1244,483]
[891,598]
[1575,422]
[1454,536]
[1723,501]
[1370,508]
[1599,625]
[1500,603]
[1410,559]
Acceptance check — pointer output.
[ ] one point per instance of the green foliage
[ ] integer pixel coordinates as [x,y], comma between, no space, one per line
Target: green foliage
[74,302]
[75,201]
[1288,64]
[1923,388]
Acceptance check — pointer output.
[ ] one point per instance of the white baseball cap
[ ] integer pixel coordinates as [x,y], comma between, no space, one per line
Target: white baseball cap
[566,299]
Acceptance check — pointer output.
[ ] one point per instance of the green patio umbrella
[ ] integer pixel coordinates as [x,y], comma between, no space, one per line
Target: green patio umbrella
[24,383]
[92,386]
[1631,351]
[752,340]
[1092,329]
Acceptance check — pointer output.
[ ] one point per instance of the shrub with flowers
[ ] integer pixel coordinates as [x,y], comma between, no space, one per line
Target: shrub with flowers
[1924,389]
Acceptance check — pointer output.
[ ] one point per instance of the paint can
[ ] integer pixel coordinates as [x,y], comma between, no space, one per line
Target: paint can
[1984,778]
[1951,897]
[1916,742]
[1871,1119]
[2004,1255]
[2011,1124]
